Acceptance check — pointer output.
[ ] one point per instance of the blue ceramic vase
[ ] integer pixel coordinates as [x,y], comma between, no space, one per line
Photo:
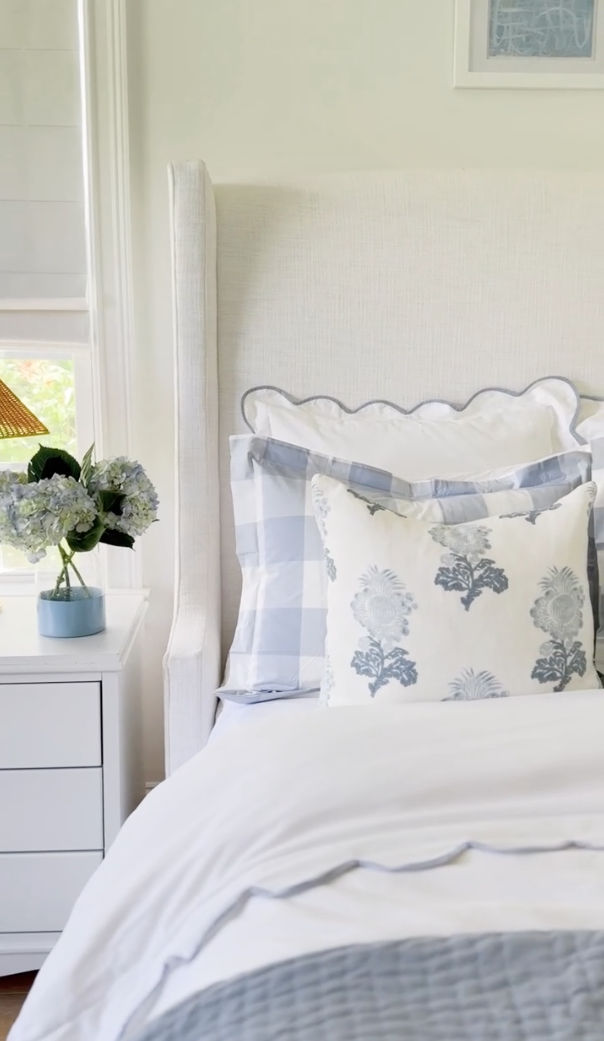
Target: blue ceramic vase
[79,611]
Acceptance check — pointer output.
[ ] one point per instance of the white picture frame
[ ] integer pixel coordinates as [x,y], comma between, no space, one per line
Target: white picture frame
[474,66]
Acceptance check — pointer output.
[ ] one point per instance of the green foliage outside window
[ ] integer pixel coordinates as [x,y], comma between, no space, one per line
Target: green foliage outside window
[47,388]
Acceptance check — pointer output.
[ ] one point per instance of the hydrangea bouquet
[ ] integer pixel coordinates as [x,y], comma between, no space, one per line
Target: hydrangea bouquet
[60,502]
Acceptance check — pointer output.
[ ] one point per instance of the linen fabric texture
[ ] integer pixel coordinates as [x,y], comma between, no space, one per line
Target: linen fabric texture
[278,646]
[495,428]
[489,608]
[546,986]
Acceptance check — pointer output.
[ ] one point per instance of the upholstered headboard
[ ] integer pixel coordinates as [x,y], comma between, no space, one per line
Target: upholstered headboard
[398,285]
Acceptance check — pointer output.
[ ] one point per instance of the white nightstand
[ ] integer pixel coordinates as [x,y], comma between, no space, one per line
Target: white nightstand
[599,652]
[69,766]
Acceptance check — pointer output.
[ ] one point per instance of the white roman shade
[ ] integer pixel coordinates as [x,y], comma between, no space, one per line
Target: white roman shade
[42,217]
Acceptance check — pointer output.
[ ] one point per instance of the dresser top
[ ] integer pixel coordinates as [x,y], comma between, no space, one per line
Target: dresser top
[23,650]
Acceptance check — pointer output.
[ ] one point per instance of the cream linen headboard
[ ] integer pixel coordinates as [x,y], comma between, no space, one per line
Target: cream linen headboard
[398,285]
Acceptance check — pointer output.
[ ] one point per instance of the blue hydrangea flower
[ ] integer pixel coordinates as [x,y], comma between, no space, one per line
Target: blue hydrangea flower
[10,477]
[36,515]
[125,477]
[73,507]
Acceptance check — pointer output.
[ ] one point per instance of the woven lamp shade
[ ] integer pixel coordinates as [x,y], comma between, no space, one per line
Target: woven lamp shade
[15,419]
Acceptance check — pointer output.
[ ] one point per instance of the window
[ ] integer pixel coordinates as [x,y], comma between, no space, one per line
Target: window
[47,388]
[65,257]
[45,338]
[47,385]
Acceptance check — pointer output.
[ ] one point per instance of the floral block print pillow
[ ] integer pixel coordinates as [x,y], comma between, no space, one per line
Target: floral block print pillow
[418,610]
[279,639]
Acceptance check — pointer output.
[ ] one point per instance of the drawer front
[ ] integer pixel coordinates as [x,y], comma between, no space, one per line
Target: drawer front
[50,724]
[51,810]
[38,890]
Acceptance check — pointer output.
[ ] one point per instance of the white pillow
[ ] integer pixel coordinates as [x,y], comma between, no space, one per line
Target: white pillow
[423,611]
[495,428]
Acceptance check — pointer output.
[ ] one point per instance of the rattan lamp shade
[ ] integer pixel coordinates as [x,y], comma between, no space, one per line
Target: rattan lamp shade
[15,419]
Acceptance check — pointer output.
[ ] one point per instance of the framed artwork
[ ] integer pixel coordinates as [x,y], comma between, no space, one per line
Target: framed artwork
[529,43]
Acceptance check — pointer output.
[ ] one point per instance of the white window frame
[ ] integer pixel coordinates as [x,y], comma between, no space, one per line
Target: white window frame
[80,355]
[104,80]
[101,366]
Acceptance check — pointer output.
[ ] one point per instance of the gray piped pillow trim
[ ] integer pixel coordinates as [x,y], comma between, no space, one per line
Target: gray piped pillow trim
[427,401]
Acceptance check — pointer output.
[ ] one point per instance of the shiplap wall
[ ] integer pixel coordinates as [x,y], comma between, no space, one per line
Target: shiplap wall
[42,235]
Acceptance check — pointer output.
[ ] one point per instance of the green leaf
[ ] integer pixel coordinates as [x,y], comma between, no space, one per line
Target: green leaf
[49,461]
[87,466]
[111,502]
[117,538]
[82,542]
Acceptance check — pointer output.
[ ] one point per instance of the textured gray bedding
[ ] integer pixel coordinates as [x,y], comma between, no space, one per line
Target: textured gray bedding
[539,986]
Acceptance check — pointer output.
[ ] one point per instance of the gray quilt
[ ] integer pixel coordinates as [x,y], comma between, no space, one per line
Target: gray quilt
[540,986]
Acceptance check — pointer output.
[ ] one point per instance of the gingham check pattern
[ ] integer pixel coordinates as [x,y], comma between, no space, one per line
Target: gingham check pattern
[591,427]
[279,640]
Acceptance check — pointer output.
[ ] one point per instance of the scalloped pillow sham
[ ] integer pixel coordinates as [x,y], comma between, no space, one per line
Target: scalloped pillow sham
[425,611]
[494,428]
[278,644]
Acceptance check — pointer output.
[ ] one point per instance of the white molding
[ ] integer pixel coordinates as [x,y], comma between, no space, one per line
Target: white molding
[107,177]
[461,43]
[105,360]
[25,304]
[43,348]
[83,378]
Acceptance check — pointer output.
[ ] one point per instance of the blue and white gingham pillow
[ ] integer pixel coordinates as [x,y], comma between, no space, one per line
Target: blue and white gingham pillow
[278,646]
[590,427]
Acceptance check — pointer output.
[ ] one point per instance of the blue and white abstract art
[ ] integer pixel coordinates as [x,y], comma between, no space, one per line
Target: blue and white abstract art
[541,28]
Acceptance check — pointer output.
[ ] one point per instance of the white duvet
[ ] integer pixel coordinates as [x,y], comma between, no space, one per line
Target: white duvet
[335,826]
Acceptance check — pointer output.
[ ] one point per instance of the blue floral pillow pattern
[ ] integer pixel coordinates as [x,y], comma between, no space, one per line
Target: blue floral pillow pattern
[278,647]
[429,611]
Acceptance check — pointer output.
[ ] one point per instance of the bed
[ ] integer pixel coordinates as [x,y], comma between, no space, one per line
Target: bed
[410,853]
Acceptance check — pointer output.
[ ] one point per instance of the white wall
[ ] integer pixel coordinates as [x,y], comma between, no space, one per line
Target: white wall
[269,86]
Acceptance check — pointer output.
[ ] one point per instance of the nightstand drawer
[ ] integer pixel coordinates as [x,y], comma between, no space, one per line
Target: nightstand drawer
[51,810]
[50,724]
[38,890]
[69,766]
